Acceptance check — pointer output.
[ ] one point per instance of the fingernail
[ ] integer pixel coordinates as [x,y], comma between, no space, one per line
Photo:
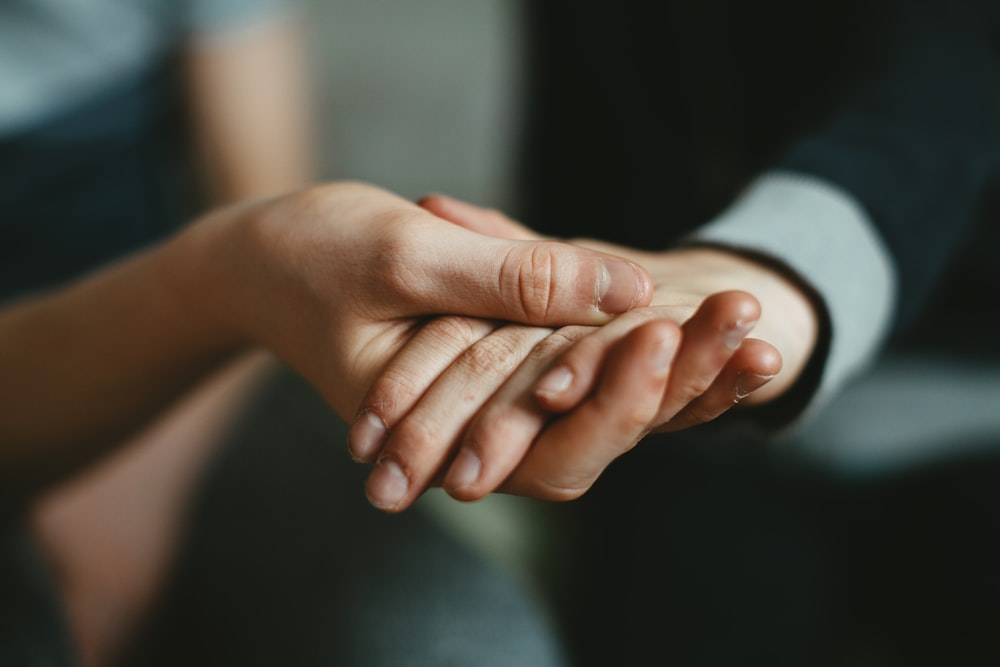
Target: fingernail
[618,286]
[747,383]
[387,485]
[734,335]
[663,357]
[464,470]
[366,437]
[554,382]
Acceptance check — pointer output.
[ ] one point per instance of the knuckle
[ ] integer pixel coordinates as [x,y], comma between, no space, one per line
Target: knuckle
[529,274]
[397,252]
[700,414]
[490,356]
[394,388]
[693,389]
[412,440]
[559,340]
[456,331]
[636,421]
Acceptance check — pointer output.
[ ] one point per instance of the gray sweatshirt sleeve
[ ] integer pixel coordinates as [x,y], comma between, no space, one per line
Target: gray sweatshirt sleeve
[821,236]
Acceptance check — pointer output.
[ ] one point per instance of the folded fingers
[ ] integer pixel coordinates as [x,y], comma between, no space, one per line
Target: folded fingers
[424,438]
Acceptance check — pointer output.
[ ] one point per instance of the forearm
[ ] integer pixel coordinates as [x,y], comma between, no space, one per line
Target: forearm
[332,280]
[84,366]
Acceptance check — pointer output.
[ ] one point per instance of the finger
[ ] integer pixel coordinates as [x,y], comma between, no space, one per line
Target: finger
[573,451]
[500,434]
[752,366]
[711,336]
[477,219]
[570,379]
[433,348]
[424,439]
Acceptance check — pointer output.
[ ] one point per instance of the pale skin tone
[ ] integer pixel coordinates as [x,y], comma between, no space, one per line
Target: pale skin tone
[542,412]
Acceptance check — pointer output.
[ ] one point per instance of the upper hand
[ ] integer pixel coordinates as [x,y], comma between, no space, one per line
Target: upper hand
[337,278]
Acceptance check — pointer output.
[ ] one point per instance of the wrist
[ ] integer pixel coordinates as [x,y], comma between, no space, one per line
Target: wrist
[202,279]
[791,317]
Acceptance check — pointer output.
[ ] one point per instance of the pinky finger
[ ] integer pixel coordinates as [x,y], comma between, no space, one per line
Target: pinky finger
[752,366]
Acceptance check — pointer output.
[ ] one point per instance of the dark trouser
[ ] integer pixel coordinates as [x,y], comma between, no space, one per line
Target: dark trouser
[33,629]
[714,555]
[285,563]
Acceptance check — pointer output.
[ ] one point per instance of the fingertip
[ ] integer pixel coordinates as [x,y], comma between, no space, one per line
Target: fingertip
[462,479]
[554,386]
[760,357]
[387,486]
[366,437]
[464,470]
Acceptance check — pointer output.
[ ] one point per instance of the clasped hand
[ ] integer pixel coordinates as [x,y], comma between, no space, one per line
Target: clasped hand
[478,405]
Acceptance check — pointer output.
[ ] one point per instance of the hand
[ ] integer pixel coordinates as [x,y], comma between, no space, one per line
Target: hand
[616,384]
[336,279]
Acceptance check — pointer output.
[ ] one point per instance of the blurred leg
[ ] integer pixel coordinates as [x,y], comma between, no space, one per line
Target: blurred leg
[110,533]
[286,563]
[710,557]
[929,585]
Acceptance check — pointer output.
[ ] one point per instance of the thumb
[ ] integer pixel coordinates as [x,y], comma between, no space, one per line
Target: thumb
[545,283]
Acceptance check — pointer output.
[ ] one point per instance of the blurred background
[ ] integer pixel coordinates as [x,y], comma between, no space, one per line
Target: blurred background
[417,96]
[422,97]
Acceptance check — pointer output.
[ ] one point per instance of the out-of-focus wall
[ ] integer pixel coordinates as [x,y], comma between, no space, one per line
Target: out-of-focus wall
[417,96]
[422,96]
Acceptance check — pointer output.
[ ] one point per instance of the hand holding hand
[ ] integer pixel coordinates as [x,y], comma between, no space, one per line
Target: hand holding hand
[682,362]
[338,278]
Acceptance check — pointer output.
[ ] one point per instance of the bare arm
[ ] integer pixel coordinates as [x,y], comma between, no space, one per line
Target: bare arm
[332,280]
[251,110]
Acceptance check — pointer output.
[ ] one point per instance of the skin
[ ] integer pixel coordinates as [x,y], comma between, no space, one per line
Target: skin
[333,280]
[542,412]
[109,533]
[119,386]
[207,349]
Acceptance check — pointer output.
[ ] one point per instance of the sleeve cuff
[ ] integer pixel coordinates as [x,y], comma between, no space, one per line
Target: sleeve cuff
[823,237]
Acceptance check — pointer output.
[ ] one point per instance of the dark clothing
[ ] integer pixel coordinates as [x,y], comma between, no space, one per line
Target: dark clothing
[646,119]
[76,191]
[91,184]
[33,628]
